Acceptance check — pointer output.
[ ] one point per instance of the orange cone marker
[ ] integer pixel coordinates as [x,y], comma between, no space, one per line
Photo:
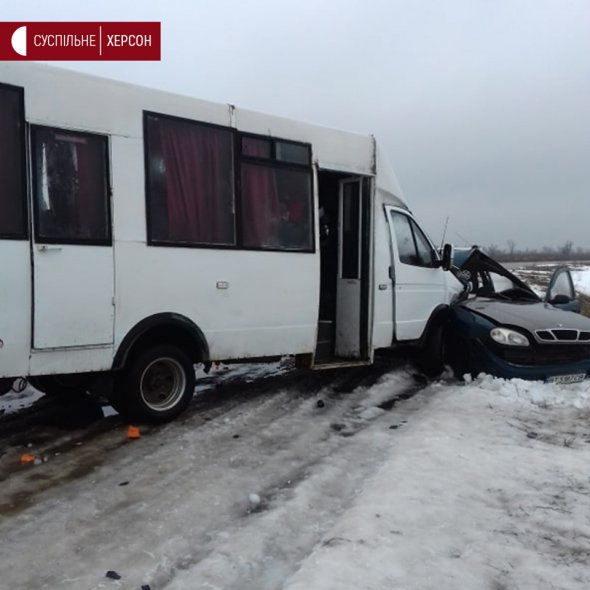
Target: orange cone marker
[133,432]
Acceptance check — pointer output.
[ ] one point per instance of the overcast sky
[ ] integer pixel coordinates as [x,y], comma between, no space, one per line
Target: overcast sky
[482,106]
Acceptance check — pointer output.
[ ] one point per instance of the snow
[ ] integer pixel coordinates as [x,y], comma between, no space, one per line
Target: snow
[15,401]
[537,276]
[489,488]
[479,485]
[173,506]
[581,277]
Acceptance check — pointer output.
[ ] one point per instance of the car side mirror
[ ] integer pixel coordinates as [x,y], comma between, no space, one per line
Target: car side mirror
[560,299]
[447,257]
[561,287]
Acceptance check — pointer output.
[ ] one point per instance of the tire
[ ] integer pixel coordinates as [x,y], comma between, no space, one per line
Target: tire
[431,360]
[460,359]
[156,386]
[60,384]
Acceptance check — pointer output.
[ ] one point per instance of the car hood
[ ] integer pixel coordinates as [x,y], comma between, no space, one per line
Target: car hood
[531,316]
[477,261]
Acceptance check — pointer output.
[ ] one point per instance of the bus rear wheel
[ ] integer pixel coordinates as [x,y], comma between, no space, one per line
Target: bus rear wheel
[156,386]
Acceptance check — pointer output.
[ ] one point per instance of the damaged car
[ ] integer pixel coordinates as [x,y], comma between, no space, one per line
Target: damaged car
[500,326]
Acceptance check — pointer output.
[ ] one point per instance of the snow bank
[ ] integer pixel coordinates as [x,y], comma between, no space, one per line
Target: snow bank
[488,488]
[15,401]
[519,391]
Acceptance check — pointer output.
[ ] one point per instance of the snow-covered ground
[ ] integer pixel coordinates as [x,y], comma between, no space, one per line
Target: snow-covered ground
[15,401]
[487,488]
[480,485]
[581,278]
[537,275]
[300,486]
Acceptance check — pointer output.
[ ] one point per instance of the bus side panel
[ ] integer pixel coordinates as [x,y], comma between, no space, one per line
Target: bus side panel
[247,303]
[332,149]
[71,360]
[382,282]
[15,299]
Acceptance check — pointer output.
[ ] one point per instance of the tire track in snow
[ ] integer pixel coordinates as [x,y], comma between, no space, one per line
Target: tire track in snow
[189,481]
[297,506]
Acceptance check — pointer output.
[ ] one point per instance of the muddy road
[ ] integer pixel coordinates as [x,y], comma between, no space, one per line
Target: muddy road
[70,436]
[257,469]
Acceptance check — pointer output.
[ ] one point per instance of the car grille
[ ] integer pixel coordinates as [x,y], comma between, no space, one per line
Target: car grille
[563,335]
[545,354]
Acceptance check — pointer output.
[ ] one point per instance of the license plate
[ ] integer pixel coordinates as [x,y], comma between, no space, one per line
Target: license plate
[564,379]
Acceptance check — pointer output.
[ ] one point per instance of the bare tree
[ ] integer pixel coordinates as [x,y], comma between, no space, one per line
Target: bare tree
[566,249]
[493,250]
[511,247]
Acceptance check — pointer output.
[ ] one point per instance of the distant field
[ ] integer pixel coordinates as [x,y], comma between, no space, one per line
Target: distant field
[538,274]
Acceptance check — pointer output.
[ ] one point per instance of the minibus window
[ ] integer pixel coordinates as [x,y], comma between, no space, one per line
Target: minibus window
[425,252]
[255,147]
[406,248]
[412,246]
[276,207]
[295,153]
[190,182]
[13,213]
[70,187]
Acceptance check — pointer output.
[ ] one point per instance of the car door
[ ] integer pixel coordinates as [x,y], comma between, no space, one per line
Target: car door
[561,292]
[419,282]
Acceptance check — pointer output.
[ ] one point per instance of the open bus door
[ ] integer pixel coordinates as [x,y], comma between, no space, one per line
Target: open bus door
[344,314]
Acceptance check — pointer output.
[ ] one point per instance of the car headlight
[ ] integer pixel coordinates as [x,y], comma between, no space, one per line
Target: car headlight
[509,337]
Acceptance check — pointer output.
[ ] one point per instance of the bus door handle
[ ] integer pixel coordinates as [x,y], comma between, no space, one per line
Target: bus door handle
[46,248]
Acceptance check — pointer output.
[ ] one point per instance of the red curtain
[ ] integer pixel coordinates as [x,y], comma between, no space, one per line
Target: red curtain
[261,209]
[198,182]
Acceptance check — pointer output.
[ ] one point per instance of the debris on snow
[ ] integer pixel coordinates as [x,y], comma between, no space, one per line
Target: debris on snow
[254,499]
[133,432]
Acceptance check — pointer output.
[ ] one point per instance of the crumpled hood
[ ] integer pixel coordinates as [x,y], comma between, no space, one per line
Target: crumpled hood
[529,315]
[477,261]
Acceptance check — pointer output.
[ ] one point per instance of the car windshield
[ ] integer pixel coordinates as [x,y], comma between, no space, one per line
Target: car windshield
[490,284]
[487,278]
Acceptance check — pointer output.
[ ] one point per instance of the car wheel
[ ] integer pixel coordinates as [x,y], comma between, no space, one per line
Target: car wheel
[431,359]
[157,385]
[460,358]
